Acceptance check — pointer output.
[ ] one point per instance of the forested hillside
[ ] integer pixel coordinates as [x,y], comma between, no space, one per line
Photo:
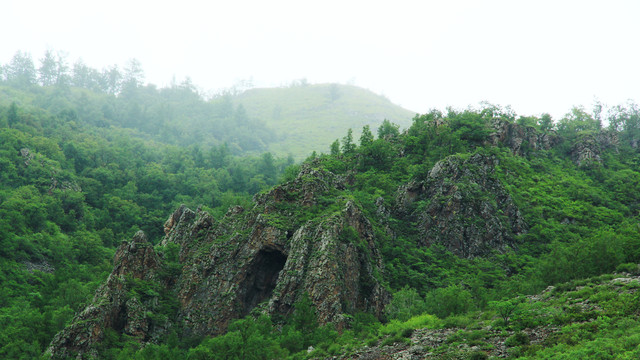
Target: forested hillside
[112,97]
[471,234]
[291,120]
[87,158]
[465,219]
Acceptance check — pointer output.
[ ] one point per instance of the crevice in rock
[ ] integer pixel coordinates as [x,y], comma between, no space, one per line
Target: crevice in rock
[262,277]
[120,319]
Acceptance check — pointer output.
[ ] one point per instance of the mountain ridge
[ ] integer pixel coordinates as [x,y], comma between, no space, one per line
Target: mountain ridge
[313,115]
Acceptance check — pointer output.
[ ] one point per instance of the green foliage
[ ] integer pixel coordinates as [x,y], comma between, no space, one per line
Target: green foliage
[469,126]
[451,300]
[478,355]
[12,114]
[335,148]
[82,169]
[517,339]
[88,159]
[304,315]
[388,130]
[578,120]
[505,308]
[348,147]
[247,338]
[405,304]
[366,138]
[377,154]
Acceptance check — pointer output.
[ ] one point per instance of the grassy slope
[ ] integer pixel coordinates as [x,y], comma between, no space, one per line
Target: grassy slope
[308,119]
[594,318]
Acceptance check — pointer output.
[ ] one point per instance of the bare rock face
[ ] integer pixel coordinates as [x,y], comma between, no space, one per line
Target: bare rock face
[462,206]
[588,148]
[113,306]
[269,256]
[27,156]
[519,138]
[298,239]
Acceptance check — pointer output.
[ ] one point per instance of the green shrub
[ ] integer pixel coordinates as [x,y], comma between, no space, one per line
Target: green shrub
[631,268]
[460,321]
[397,338]
[406,333]
[517,339]
[452,300]
[478,355]
[334,349]
[424,321]
[405,304]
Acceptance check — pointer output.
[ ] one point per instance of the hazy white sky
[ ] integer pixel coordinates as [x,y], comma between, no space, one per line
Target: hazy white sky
[537,56]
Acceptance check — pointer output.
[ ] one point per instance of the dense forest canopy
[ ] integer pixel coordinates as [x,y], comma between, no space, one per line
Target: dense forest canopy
[88,157]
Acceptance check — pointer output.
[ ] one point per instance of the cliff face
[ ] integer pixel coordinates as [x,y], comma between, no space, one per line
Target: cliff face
[114,306]
[292,242]
[588,148]
[520,138]
[462,206]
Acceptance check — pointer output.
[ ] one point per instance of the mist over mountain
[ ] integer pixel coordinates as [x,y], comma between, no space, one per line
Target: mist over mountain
[145,222]
[310,117]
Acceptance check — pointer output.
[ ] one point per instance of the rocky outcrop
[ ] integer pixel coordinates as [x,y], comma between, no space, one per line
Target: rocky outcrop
[269,256]
[588,148]
[27,156]
[113,306]
[42,265]
[462,206]
[300,238]
[520,138]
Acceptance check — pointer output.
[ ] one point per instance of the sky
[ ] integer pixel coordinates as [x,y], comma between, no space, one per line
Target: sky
[535,56]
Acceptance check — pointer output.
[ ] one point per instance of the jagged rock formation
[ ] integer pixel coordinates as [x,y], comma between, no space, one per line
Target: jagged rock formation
[113,306]
[267,255]
[588,148]
[520,138]
[293,241]
[463,206]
